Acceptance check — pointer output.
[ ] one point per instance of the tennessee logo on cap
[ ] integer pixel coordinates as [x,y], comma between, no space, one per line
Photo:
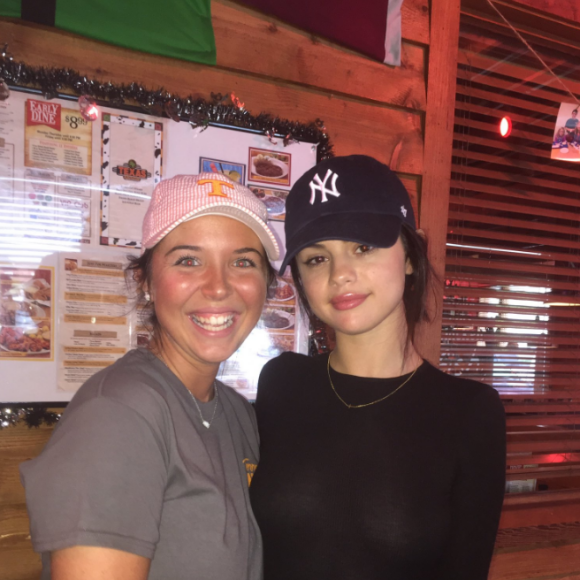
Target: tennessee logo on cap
[318,184]
[217,187]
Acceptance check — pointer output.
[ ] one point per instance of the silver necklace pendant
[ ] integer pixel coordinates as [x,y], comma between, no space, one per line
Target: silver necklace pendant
[216,394]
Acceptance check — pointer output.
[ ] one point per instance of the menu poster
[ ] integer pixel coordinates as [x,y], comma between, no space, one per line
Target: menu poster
[95,316]
[279,329]
[6,169]
[57,138]
[130,170]
[26,313]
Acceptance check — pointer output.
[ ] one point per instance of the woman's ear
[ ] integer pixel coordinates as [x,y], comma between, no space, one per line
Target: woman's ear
[142,285]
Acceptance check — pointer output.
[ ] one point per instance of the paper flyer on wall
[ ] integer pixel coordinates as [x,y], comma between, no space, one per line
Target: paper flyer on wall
[95,316]
[57,138]
[131,168]
[26,313]
[566,138]
[46,172]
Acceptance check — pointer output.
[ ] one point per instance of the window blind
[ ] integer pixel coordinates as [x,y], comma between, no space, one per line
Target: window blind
[511,309]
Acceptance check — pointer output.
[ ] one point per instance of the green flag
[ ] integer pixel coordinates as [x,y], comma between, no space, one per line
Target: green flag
[175,28]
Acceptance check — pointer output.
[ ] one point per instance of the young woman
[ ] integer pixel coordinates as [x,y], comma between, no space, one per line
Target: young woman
[374,464]
[145,475]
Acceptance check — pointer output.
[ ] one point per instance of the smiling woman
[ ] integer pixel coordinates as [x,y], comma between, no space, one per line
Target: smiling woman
[208,296]
[146,475]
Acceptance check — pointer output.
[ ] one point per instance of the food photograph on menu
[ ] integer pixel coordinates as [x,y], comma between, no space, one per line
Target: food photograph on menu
[235,171]
[279,317]
[269,166]
[26,316]
[275,201]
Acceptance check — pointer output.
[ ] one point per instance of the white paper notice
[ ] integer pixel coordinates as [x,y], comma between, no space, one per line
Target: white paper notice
[130,170]
[95,316]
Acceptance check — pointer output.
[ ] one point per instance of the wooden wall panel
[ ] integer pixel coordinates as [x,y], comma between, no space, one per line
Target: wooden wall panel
[437,166]
[17,444]
[546,563]
[367,108]
[246,41]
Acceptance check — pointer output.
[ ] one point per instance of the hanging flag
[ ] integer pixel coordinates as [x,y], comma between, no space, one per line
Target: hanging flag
[372,27]
[175,28]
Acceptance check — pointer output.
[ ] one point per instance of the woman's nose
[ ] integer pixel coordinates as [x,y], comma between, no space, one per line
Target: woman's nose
[342,271]
[216,285]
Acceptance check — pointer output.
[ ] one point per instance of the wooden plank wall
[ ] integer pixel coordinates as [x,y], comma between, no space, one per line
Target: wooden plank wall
[367,108]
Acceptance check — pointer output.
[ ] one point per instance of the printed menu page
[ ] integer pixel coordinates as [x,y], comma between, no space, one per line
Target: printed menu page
[95,316]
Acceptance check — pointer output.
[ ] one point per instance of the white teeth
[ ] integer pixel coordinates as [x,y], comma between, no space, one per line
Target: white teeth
[214,322]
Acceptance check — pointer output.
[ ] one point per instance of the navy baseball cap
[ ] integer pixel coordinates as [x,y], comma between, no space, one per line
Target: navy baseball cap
[354,198]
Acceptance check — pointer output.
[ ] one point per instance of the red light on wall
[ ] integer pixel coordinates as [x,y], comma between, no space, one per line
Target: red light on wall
[88,109]
[505,127]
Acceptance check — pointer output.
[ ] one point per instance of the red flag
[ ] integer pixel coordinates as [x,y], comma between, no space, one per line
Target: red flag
[372,27]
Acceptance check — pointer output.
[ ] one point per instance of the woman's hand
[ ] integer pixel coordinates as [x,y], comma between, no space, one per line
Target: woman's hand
[93,563]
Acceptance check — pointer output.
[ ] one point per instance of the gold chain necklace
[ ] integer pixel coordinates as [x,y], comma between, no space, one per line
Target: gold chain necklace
[365,404]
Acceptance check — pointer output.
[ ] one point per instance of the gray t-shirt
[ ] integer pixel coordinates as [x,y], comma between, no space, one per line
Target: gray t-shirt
[130,466]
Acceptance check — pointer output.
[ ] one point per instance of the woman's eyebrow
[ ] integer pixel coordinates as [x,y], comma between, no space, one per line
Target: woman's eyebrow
[248,249]
[191,248]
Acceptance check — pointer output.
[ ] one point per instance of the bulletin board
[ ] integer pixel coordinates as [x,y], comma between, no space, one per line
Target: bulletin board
[73,194]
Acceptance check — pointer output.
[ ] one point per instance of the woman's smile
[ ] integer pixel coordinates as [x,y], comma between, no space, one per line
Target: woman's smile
[348,301]
[213,322]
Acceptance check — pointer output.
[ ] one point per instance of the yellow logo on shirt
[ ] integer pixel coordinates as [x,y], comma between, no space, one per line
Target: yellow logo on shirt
[250,469]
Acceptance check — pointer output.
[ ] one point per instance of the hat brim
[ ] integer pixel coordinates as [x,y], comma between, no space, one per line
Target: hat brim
[249,219]
[377,230]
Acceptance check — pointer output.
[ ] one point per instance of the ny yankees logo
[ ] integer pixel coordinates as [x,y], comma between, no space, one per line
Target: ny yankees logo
[217,186]
[320,185]
[404,210]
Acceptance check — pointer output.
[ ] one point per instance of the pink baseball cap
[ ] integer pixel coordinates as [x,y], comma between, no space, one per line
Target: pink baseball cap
[185,197]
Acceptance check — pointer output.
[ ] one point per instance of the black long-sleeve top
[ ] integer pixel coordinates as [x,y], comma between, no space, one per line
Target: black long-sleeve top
[408,489]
